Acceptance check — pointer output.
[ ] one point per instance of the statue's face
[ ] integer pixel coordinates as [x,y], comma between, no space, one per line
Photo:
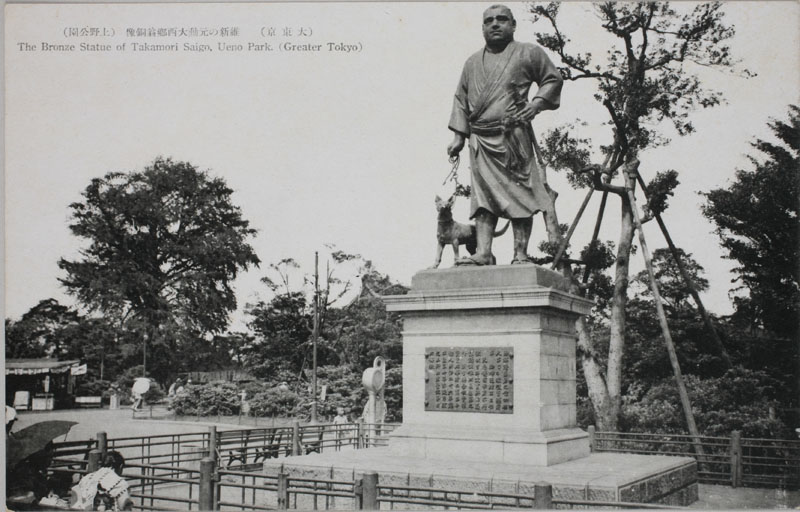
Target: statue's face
[498,25]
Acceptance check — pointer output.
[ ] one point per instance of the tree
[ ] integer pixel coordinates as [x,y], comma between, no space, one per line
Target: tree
[282,328]
[164,245]
[646,81]
[354,324]
[41,331]
[646,361]
[363,329]
[756,219]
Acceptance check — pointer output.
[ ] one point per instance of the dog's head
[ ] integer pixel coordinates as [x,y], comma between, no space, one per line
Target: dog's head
[445,208]
[444,205]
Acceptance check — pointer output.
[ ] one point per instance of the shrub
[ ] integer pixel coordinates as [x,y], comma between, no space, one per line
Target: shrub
[92,387]
[735,401]
[211,399]
[274,402]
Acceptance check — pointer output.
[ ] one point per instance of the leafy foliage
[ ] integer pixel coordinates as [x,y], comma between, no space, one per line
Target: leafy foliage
[736,400]
[164,245]
[645,84]
[659,190]
[274,402]
[756,220]
[282,327]
[41,332]
[211,399]
[352,334]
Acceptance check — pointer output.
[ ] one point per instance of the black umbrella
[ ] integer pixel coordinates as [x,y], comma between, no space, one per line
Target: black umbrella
[24,443]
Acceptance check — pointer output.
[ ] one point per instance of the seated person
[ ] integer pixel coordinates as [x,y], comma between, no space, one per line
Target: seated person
[105,489]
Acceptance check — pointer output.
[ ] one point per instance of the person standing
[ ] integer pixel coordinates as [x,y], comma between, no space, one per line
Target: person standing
[339,422]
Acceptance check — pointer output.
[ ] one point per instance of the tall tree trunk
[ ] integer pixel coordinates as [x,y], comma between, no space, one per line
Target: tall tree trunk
[619,299]
[602,403]
[595,381]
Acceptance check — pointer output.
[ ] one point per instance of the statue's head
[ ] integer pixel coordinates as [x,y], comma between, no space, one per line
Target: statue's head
[498,25]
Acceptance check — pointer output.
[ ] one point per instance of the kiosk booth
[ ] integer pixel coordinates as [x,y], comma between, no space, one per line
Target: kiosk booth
[40,384]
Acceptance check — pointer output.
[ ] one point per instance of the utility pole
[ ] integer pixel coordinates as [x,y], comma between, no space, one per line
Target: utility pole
[314,337]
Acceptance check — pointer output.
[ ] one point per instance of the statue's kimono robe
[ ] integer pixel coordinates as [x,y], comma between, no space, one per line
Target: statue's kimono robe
[505,178]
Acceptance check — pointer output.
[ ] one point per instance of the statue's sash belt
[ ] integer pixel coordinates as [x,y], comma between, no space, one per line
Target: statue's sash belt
[486,129]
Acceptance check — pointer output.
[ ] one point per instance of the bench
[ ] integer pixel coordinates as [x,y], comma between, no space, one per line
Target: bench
[89,401]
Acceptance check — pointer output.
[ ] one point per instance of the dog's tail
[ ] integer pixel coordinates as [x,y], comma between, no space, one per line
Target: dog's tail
[505,228]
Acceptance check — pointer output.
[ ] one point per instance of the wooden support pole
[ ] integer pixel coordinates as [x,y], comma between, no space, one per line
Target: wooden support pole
[689,283]
[212,443]
[736,459]
[662,318]
[542,496]
[369,491]
[102,443]
[206,492]
[283,491]
[296,438]
[359,435]
[591,431]
[565,242]
[315,338]
[94,461]
[597,223]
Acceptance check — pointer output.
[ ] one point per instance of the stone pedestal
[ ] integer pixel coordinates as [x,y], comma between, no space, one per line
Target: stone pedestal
[492,406]
[462,319]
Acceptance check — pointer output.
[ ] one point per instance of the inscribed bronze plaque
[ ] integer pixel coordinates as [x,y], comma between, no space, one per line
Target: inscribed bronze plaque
[469,379]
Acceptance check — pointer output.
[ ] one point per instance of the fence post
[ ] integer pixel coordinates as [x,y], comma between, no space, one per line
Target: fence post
[102,443]
[369,491]
[295,438]
[206,493]
[283,491]
[591,430]
[736,458]
[542,496]
[358,493]
[94,461]
[212,444]
[360,435]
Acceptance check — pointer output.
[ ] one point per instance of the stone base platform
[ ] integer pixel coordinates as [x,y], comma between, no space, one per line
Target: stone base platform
[598,477]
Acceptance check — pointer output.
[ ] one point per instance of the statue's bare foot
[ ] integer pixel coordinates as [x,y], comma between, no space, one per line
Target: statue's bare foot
[473,261]
[523,259]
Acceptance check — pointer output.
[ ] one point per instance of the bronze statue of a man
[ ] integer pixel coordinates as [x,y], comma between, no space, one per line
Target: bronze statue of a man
[491,110]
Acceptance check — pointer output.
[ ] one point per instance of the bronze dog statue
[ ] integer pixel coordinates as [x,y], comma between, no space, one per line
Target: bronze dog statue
[450,232]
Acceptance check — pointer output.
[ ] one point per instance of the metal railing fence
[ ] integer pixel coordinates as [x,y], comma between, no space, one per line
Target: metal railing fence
[163,487]
[233,448]
[733,460]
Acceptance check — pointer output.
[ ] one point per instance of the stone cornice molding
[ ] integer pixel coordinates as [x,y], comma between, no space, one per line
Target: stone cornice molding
[478,298]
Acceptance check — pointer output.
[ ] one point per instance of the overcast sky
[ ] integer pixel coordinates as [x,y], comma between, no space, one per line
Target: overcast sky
[329,146]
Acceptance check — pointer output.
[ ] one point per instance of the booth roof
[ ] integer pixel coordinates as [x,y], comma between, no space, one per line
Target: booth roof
[35,366]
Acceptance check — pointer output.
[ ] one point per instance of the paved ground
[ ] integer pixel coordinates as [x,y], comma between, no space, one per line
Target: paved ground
[116,423]
[722,497]
[120,423]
